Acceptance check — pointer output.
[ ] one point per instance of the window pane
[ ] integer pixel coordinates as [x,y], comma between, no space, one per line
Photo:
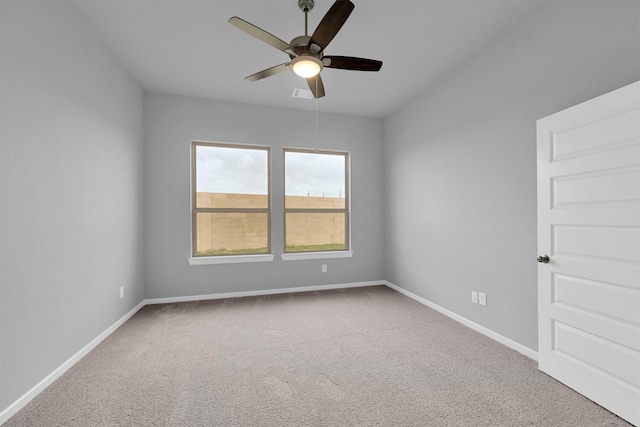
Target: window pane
[311,177]
[231,177]
[231,233]
[312,232]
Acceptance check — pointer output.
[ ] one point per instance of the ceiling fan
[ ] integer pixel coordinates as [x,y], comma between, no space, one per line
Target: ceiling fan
[307,52]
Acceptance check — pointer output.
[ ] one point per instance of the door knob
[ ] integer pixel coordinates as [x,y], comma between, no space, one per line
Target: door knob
[543,259]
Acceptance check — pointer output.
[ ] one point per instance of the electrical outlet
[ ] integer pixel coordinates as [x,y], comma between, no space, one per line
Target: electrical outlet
[474,297]
[324,268]
[482,298]
[121,292]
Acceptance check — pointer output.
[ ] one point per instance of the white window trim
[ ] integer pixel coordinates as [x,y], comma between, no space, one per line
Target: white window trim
[295,256]
[229,259]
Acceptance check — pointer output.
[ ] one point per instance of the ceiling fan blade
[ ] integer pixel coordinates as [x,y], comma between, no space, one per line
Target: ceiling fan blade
[316,86]
[268,72]
[331,23]
[260,34]
[351,63]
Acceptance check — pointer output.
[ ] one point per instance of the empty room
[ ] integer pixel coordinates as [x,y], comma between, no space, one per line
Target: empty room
[319,213]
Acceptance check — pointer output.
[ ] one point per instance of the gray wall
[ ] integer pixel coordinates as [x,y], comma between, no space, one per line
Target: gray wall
[460,160]
[170,124]
[70,191]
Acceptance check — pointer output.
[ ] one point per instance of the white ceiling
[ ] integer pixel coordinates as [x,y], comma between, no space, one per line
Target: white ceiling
[186,47]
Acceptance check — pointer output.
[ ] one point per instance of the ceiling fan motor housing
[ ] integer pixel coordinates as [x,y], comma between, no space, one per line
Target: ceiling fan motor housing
[301,46]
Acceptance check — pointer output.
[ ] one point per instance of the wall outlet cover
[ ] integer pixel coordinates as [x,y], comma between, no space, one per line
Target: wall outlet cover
[474,297]
[482,298]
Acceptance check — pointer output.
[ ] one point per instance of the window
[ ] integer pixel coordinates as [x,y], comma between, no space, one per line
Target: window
[231,204]
[316,203]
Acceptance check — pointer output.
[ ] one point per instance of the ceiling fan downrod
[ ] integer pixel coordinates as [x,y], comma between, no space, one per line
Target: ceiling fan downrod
[306,6]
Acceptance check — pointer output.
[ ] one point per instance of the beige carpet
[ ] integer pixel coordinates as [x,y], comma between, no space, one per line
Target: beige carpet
[356,357]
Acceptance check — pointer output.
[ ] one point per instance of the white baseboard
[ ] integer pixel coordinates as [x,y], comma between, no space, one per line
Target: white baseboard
[532,354]
[29,395]
[38,388]
[262,292]
[12,409]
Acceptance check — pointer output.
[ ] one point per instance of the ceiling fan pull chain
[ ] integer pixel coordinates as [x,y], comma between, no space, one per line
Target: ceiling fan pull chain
[316,98]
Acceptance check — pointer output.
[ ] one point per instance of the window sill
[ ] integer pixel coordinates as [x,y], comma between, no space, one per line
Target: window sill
[232,259]
[316,255]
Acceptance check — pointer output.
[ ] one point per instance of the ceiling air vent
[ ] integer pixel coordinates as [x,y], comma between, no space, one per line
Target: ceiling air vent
[302,93]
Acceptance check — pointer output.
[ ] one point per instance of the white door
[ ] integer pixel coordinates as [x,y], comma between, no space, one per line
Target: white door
[589,227]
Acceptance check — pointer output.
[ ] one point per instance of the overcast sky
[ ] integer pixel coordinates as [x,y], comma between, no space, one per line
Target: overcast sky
[225,170]
[314,174]
[244,171]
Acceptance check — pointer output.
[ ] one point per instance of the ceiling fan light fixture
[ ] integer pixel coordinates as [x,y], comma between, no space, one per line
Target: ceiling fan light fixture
[306,66]
[307,52]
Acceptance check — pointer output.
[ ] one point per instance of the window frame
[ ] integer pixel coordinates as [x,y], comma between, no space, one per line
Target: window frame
[195,259]
[330,253]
